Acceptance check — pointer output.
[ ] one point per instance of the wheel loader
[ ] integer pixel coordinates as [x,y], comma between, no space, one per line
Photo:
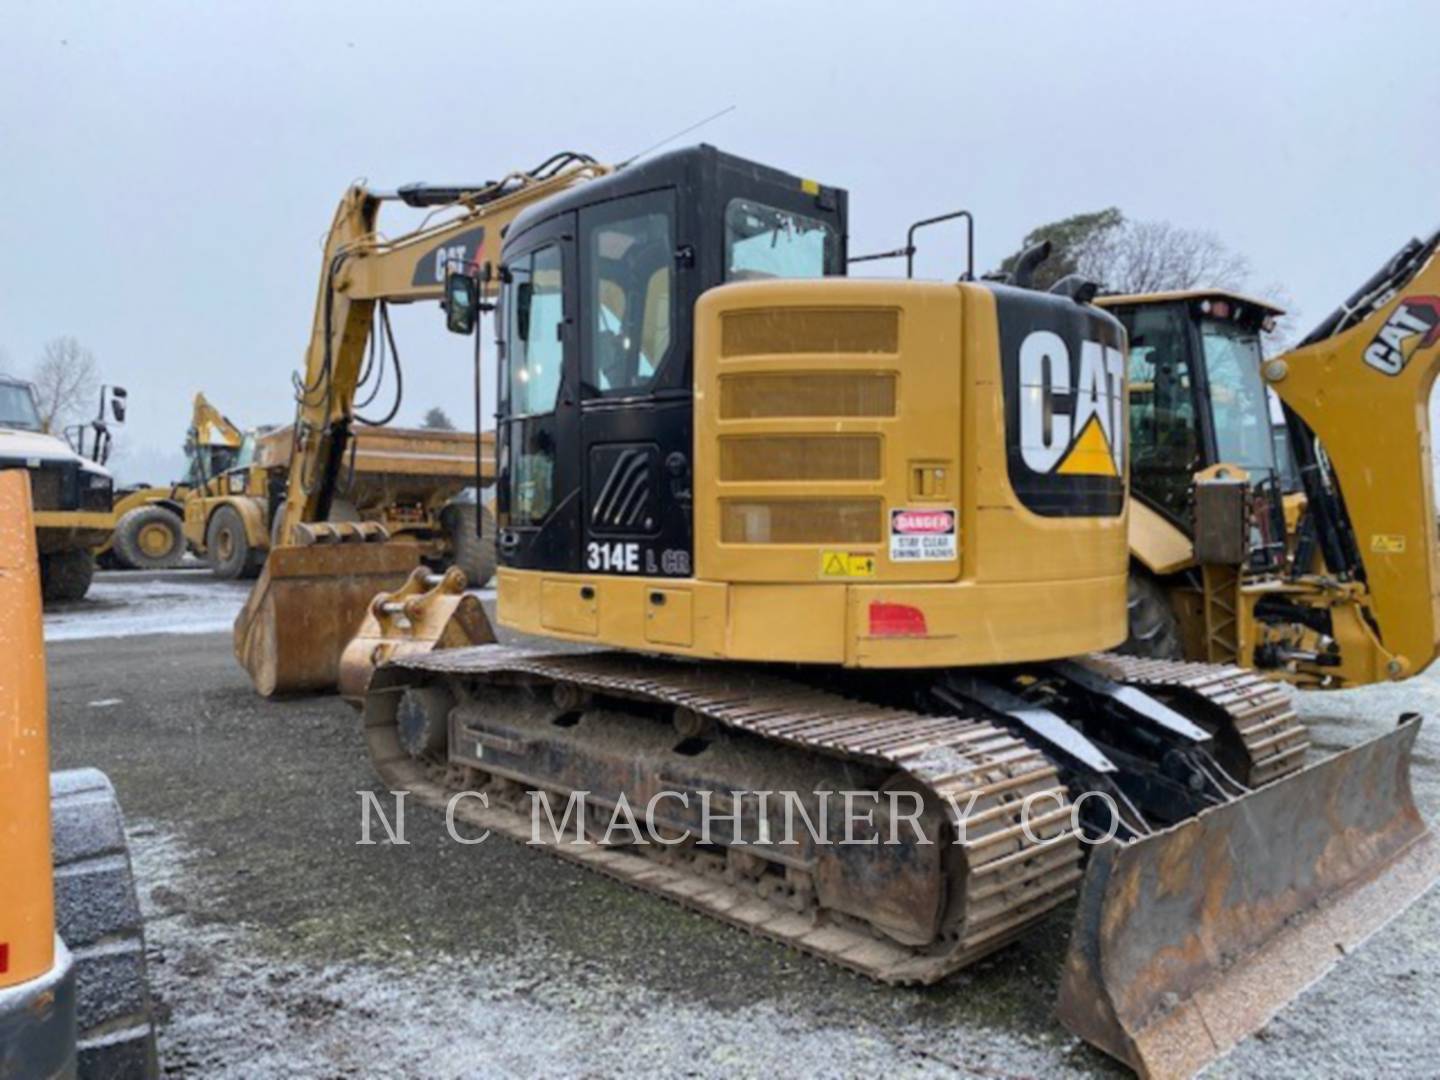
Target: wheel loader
[150,521]
[74,997]
[834,566]
[1318,587]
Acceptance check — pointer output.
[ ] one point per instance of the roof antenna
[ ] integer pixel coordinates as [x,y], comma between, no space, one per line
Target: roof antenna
[671,138]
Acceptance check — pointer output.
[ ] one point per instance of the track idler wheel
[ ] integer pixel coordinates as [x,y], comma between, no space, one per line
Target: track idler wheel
[422,720]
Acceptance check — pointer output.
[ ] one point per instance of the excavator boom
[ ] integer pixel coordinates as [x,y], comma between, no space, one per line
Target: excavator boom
[319,580]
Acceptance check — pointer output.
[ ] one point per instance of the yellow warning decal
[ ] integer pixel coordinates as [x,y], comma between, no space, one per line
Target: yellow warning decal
[846,564]
[1387,543]
[1090,454]
[810,187]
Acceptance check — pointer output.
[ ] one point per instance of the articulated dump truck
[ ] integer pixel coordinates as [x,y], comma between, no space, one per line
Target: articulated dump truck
[848,556]
[413,483]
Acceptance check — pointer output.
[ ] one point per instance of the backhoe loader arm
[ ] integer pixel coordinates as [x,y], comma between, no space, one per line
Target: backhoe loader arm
[361,269]
[1362,382]
[212,427]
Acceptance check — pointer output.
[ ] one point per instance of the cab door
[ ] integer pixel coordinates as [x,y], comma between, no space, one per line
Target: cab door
[537,423]
[636,398]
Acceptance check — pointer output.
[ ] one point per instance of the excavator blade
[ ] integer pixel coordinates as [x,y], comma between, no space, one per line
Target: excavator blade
[1190,940]
[306,606]
[430,611]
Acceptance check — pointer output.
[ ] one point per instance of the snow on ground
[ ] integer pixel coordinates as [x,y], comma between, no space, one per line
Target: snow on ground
[122,604]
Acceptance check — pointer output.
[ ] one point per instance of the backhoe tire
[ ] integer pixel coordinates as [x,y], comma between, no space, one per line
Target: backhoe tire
[149,538]
[66,575]
[1154,630]
[228,549]
[97,915]
[473,554]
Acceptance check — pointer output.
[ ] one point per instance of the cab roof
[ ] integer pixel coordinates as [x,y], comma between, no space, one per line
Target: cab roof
[1136,299]
[684,166]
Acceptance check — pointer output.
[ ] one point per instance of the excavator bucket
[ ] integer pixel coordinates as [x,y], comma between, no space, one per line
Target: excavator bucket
[308,602]
[1190,940]
[430,611]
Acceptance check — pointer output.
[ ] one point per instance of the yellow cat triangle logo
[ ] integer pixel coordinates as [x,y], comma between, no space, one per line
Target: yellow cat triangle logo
[1089,454]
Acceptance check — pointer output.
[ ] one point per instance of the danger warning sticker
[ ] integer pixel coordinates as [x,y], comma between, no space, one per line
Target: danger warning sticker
[922,535]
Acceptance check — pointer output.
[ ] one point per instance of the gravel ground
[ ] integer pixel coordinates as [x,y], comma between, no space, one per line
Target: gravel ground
[280,946]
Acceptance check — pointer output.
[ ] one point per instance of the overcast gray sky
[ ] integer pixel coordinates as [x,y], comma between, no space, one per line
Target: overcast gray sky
[169,169]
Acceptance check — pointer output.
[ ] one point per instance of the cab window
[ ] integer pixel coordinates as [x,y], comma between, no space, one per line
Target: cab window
[1239,407]
[629,272]
[534,349]
[533,353]
[1164,439]
[766,242]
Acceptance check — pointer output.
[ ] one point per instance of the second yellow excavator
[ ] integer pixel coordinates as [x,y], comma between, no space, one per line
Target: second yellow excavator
[847,556]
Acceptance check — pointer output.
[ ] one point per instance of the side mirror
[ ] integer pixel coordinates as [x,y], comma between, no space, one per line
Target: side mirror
[118,398]
[462,302]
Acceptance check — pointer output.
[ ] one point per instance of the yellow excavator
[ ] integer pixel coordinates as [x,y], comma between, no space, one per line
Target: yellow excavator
[847,555]
[1325,599]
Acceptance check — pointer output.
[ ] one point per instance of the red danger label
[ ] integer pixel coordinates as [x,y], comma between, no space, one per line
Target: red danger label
[922,535]
[922,522]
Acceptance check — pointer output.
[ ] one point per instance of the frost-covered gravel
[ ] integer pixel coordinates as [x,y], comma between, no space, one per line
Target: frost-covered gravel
[280,947]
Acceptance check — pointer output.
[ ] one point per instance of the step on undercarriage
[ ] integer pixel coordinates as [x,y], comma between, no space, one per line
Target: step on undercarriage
[902,829]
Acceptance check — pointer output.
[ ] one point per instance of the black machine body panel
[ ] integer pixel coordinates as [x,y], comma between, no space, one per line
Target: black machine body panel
[596,456]
[1064,380]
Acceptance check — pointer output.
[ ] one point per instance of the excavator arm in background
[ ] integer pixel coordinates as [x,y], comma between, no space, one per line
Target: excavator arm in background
[1361,384]
[210,427]
[321,580]
[362,269]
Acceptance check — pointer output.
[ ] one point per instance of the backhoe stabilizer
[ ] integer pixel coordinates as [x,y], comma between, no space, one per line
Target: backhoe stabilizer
[306,606]
[1189,940]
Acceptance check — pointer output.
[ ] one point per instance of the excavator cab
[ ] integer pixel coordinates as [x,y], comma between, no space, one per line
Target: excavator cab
[596,399]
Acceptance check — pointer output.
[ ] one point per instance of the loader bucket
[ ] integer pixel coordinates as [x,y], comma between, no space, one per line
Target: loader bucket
[1192,939]
[430,611]
[306,606]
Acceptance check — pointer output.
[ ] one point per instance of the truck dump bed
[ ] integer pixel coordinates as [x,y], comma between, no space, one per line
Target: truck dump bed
[394,464]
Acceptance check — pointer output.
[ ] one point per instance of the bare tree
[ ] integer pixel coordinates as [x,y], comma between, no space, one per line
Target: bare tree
[1154,256]
[66,382]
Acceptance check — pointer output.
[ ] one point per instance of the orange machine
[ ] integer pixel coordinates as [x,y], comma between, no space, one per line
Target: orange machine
[37,977]
[90,933]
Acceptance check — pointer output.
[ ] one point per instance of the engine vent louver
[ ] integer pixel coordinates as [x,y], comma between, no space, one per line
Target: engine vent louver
[623,502]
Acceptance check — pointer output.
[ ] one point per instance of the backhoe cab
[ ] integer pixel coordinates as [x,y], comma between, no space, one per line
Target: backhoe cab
[1261,530]
[1198,401]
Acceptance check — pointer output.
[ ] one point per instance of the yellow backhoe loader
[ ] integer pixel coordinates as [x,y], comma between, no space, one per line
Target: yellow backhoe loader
[1318,586]
[150,520]
[851,552]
